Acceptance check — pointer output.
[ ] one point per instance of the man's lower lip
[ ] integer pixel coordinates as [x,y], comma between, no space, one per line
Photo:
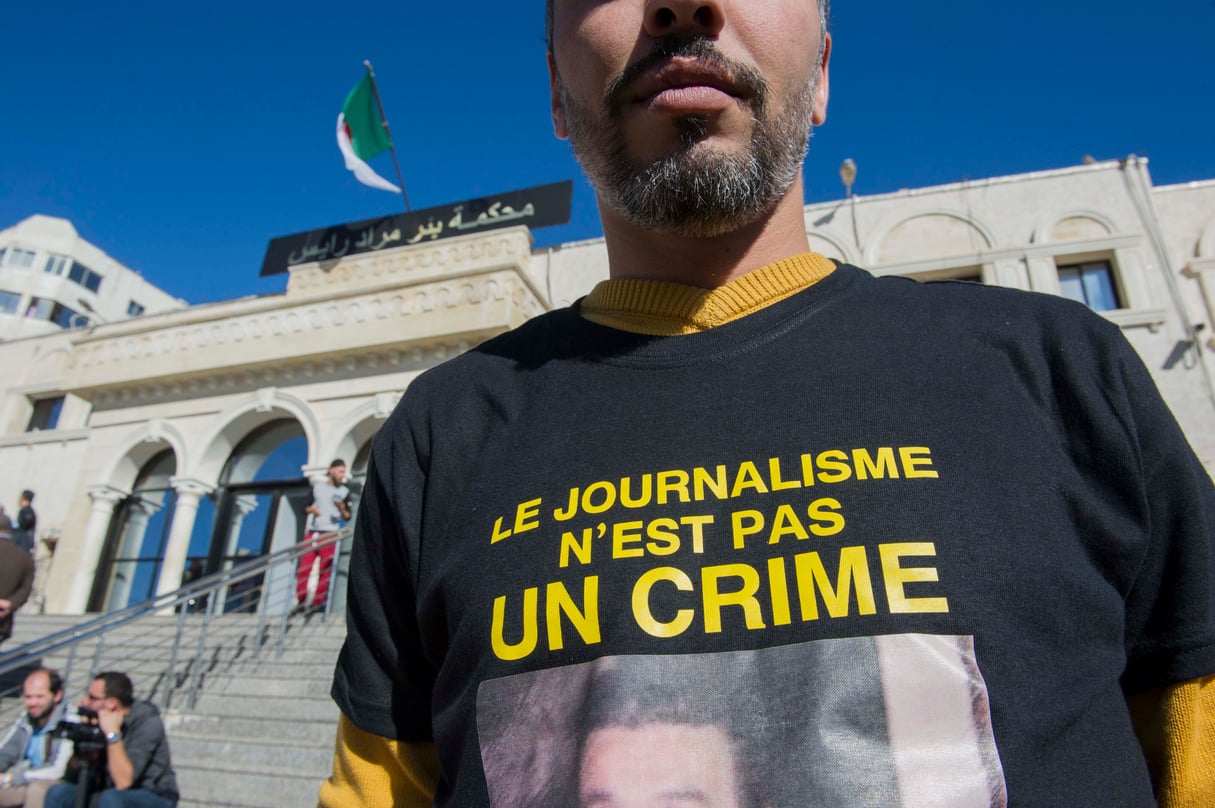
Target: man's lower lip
[689,100]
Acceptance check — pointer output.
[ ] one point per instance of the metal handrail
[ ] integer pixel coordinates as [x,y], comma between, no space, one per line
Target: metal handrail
[207,588]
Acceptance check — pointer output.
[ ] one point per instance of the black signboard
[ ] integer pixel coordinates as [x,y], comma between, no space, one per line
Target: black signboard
[542,206]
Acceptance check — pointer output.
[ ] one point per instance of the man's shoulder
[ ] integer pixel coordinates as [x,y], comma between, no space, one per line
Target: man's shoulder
[144,714]
[540,339]
[14,554]
[980,307]
[527,346]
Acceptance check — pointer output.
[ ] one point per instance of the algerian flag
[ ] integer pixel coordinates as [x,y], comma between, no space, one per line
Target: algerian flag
[361,135]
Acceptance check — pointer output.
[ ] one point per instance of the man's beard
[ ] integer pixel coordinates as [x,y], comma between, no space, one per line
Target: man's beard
[696,191]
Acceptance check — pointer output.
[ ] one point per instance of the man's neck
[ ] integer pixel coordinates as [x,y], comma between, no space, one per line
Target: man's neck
[634,252]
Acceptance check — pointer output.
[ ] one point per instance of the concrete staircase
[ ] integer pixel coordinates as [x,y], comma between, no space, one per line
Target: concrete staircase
[260,734]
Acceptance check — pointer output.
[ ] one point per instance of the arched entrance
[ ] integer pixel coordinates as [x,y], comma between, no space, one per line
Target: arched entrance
[259,505]
[133,553]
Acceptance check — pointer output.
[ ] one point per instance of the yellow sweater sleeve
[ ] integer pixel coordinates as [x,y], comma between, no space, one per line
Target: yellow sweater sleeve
[1176,726]
[374,772]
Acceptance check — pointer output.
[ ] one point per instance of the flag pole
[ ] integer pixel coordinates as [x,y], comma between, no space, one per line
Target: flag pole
[392,148]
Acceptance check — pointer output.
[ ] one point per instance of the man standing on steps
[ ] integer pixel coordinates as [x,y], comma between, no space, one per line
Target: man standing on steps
[736,445]
[137,771]
[16,577]
[31,758]
[329,509]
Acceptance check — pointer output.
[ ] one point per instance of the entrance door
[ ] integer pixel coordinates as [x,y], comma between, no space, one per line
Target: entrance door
[256,519]
[134,549]
[260,510]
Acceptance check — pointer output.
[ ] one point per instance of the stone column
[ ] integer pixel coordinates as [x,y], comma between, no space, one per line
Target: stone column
[242,506]
[185,509]
[139,512]
[1044,275]
[316,474]
[1204,270]
[1011,273]
[104,498]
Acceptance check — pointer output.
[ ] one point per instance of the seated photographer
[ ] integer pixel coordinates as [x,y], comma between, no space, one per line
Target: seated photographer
[32,757]
[132,745]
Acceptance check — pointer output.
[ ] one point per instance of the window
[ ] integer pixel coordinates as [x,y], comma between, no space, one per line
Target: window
[64,317]
[84,276]
[46,414]
[9,301]
[39,309]
[59,314]
[17,257]
[1090,283]
[134,309]
[55,264]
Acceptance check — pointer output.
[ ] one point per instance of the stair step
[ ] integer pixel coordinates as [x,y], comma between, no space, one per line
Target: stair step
[284,756]
[279,686]
[247,728]
[218,786]
[316,705]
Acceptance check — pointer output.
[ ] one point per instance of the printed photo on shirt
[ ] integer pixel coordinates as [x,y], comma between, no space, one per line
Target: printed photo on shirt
[865,721]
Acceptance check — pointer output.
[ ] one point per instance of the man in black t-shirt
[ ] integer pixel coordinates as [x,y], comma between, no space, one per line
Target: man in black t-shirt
[739,449]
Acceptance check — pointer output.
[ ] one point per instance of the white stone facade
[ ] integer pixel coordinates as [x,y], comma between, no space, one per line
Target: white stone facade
[332,355]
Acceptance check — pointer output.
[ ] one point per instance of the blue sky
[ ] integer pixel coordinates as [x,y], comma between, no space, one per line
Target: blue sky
[181,138]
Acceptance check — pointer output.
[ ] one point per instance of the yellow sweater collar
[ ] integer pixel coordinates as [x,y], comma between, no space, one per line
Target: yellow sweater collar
[659,308]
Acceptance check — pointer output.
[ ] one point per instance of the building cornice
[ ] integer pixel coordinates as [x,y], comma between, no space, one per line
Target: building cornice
[971,185]
[379,311]
[44,436]
[1025,251]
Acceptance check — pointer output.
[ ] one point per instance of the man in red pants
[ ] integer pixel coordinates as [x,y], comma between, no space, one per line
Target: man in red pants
[329,509]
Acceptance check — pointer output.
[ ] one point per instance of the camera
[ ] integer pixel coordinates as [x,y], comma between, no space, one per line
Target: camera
[83,732]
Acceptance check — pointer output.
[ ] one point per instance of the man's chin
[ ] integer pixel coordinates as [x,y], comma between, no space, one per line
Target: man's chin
[692,221]
[700,150]
[701,192]
[700,226]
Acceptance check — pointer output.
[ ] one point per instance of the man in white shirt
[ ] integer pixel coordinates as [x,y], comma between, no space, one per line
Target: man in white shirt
[329,509]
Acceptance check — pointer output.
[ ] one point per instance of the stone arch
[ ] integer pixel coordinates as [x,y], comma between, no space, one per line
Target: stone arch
[928,235]
[1075,225]
[238,421]
[828,245]
[359,425]
[149,440]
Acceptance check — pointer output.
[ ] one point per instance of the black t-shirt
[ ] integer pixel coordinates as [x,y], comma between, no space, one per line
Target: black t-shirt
[909,541]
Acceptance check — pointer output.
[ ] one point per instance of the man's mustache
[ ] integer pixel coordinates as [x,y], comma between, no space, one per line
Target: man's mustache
[748,80]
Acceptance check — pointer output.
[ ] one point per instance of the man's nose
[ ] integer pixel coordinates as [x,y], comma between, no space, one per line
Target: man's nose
[666,17]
